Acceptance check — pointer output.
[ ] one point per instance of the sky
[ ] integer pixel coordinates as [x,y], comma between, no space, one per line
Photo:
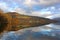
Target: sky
[42,8]
[31,7]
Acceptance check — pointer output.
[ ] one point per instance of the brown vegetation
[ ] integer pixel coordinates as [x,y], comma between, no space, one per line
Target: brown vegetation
[12,21]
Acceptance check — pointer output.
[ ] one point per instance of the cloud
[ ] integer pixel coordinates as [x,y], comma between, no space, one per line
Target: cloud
[19,10]
[3,6]
[40,2]
[41,13]
[27,5]
[36,2]
[30,5]
[46,12]
[48,2]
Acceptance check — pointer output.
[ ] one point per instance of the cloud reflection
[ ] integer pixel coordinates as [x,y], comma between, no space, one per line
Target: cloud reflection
[42,8]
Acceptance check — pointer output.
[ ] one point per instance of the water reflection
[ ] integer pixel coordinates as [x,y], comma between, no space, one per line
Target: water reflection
[47,32]
[31,35]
